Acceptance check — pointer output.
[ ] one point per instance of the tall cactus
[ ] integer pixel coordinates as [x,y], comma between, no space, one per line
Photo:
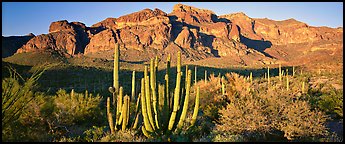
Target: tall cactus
[167,82]
[293,70]
[251,77]
[133,86]
[146,120]
[164,121]
[125,112]
[185,105]
[137,112]
[153,89]
[196,106]
[177,92]
[110,117]
[119,107]
[148,99]
[116,68]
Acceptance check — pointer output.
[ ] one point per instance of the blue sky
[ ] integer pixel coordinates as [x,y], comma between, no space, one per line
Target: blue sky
[21,18]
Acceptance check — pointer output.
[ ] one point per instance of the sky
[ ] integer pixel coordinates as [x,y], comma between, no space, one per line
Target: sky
[21,18]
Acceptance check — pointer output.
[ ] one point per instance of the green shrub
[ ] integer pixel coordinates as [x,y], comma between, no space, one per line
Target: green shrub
[17,92]
[332,102]
[77,108]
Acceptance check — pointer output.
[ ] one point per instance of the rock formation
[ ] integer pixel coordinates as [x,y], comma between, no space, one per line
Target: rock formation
[199,33]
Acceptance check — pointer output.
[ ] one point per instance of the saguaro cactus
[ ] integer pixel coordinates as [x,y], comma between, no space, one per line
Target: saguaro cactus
[116,68]
[293,70]
[251,77]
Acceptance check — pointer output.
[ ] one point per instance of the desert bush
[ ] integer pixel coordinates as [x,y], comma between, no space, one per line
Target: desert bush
[332,102]
[261,113]
[76,108]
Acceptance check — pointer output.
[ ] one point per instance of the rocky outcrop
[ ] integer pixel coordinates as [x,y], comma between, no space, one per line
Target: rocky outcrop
[102,41]
[184,39]
[70,38]
[11,44]
[192,15]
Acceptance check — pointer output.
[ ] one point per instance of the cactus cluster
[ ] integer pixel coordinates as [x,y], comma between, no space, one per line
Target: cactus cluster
[160,110]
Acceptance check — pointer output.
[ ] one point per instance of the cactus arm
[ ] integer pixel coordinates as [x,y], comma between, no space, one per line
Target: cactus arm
[177,93]
[196,107]
[133,86]
[144,108]
[148,101]
[135,125]
[110,117]
[186,101]
[125,113]
[153,89]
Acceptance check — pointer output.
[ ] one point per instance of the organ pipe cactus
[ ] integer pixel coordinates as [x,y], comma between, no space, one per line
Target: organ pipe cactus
[167,82]
[196,107]
[125,112]
[185,105]
[177,92]
[167,120]
[110,117]
[133,86]
[121,104]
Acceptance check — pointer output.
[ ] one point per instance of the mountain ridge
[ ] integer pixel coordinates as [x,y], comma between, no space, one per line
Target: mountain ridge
[199,33]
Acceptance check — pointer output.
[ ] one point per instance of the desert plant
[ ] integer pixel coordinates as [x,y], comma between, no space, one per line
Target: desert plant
[17,92]
[258,114]
[157,127]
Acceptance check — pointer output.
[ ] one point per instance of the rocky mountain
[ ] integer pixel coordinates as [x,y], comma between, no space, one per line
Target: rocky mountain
[11,44]
[198,33]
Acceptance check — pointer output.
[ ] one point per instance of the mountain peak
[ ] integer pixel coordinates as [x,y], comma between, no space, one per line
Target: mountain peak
[187,8]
